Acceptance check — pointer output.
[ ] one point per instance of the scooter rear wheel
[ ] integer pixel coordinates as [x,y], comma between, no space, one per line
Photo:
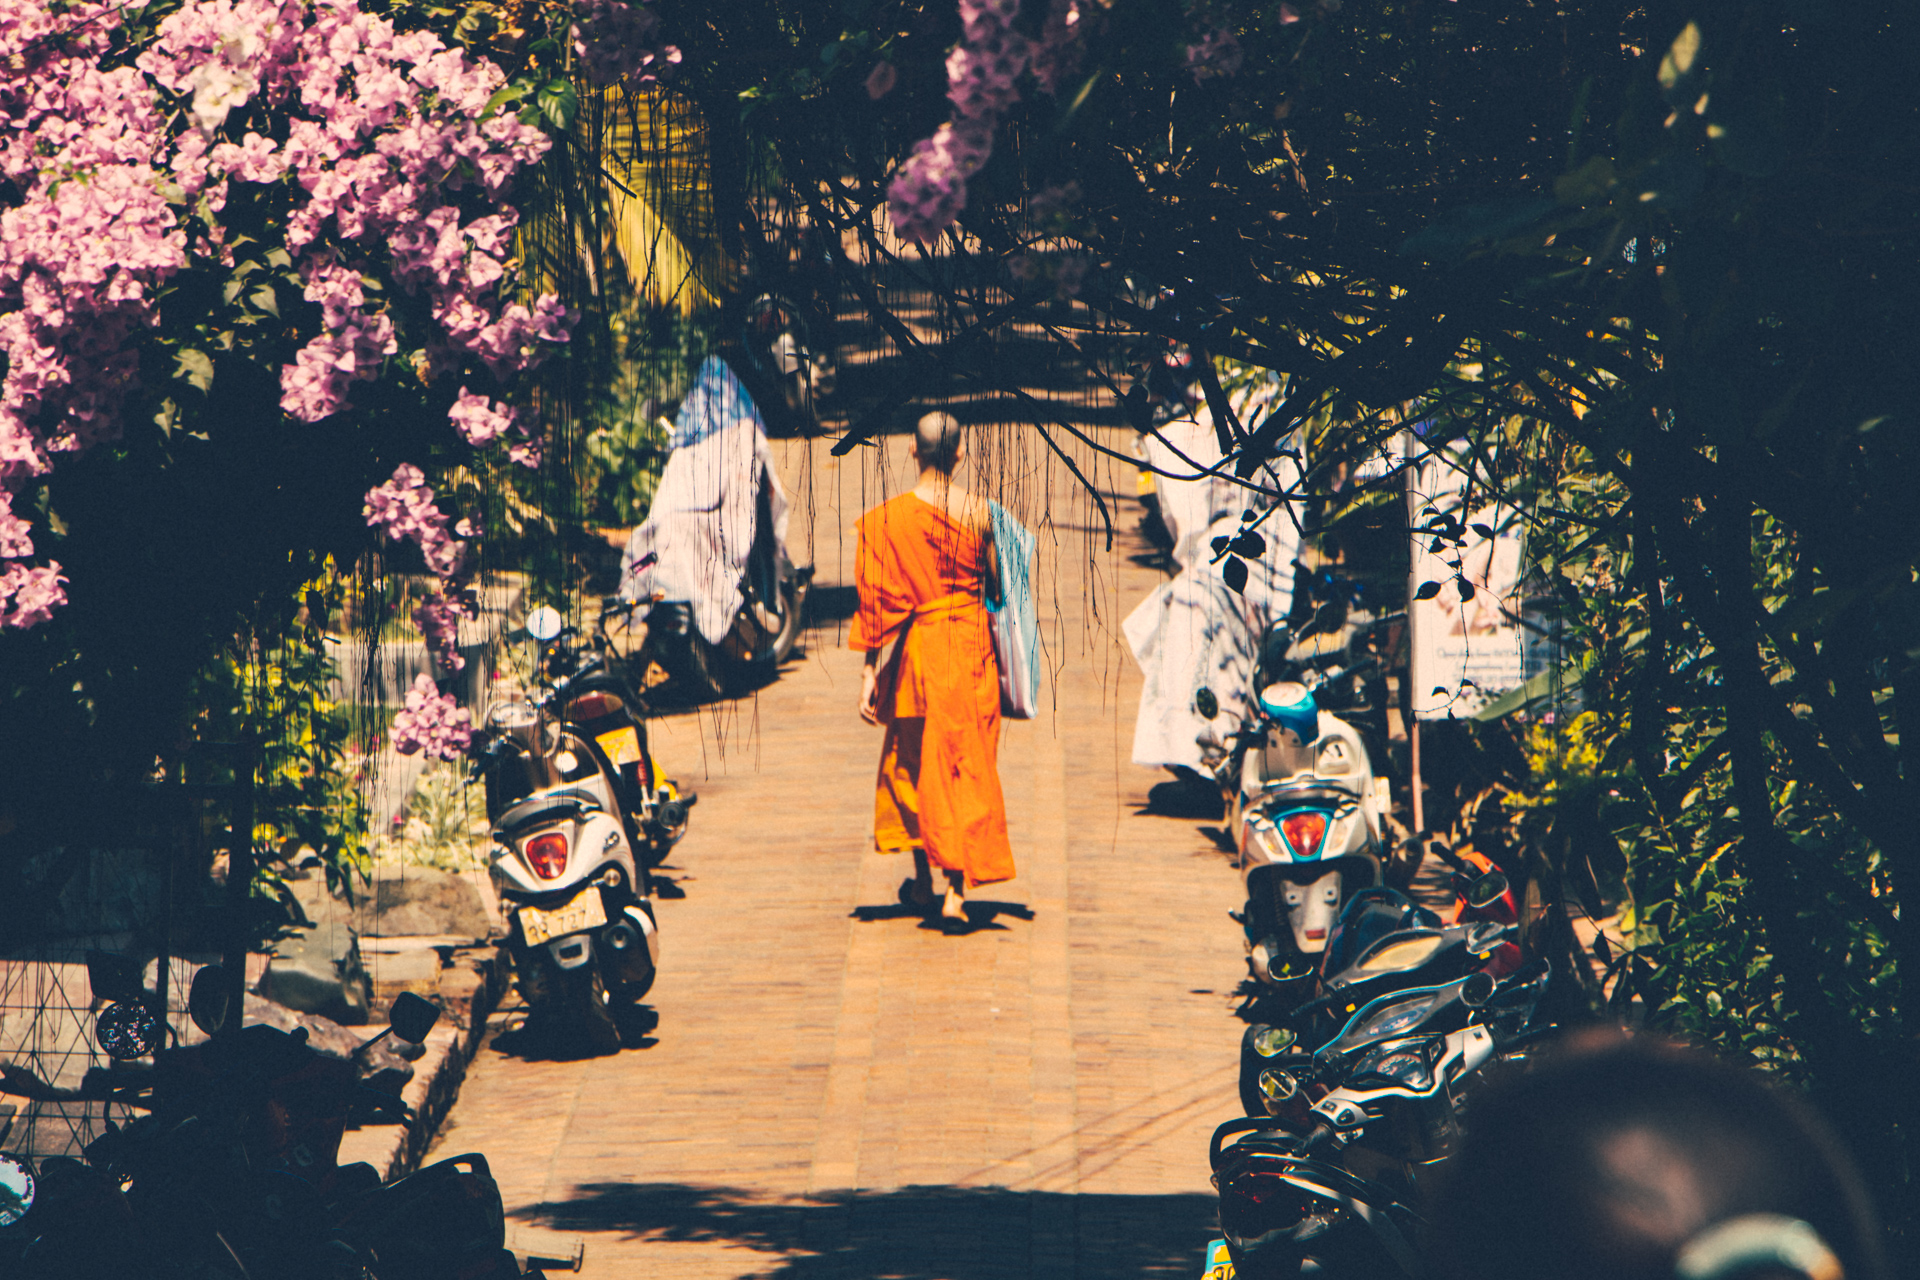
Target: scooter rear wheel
[595,1015]
[700,671]
[793,593]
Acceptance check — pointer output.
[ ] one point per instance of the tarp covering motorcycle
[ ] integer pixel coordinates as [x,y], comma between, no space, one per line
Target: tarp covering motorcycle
[1195,631]
[718,496]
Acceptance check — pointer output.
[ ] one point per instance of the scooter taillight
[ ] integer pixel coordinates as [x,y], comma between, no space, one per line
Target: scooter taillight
[547,855]
[1304,831]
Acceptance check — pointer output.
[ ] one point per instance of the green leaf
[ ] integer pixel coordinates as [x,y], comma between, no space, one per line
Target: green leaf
[1427,591]
[266,300]
[1234,573]
[1250,544]
[195,366]
[559,103]
[1457,232]
[512,91]
[1590,181]
[1680,56]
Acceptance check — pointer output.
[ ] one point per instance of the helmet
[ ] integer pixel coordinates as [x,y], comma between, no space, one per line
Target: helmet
[1292,707]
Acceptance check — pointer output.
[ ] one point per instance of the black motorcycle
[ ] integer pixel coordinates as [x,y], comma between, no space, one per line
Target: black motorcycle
[1361,1091]
[232,1172]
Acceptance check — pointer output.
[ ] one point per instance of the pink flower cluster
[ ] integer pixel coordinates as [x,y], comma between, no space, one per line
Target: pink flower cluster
[83,252]
[983,80]
[403,509]
[383,138]
[615,42]
[384,129]
[482,421]
[1062,43]
[353,348]
[432,722]
[1216,54]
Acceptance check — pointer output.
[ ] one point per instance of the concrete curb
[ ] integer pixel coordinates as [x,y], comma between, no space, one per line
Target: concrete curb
[471,982]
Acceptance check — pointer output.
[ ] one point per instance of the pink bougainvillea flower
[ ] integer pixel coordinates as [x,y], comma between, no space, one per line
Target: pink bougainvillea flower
[615,42]
[479,419]
[432,722]
[1216,54]
[392,170]
[983,80]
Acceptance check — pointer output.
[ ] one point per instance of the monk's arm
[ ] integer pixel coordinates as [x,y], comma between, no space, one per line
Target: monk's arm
[992,569]
[869,686]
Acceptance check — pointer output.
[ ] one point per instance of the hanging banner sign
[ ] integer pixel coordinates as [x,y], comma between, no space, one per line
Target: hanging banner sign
[1468,645]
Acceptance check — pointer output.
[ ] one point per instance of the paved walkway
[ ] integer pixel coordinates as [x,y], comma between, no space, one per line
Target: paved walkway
[838,1091]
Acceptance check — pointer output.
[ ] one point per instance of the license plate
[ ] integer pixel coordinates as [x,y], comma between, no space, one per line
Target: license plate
[621,745]
[585,911]
[1219,1264]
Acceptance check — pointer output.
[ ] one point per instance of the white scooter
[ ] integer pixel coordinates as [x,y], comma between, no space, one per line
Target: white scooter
[1306,813]
[582,933]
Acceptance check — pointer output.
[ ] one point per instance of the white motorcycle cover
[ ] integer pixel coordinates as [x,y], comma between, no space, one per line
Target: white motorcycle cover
[700,529]
[1195,630]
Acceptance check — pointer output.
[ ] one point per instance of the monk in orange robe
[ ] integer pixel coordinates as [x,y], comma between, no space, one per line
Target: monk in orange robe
[924,567]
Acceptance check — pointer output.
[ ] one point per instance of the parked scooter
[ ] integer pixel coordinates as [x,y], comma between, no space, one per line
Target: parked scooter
[765,628]
[1330,1182]
[580,810]
[1307,825]
[711,592]
[1306,808]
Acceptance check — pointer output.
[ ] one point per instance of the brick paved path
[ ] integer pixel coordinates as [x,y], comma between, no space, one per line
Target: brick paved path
[838,1091]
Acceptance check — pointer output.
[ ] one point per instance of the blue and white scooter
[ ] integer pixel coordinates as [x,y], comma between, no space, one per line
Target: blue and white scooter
[1307,821]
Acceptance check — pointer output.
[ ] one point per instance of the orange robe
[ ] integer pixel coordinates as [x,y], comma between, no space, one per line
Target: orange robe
[920,575]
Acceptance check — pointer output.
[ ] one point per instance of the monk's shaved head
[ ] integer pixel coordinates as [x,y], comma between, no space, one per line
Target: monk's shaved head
[937,441]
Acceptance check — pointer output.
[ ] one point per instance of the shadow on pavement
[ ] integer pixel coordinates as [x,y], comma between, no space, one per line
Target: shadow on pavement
[1221,837]
[529,1041]
[982,914]
[915,1233]
[1186,798]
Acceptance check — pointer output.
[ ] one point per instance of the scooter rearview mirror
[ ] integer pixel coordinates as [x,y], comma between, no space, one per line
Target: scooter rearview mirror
[16,1191]
[1206,702]
[544,623]
[207,999]
[412,1017]
[1486,890]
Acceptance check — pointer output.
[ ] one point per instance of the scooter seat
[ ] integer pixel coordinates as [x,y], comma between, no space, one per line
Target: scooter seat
[544,807]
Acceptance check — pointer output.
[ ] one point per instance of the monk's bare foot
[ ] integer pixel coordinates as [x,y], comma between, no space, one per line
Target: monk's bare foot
[955,906]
